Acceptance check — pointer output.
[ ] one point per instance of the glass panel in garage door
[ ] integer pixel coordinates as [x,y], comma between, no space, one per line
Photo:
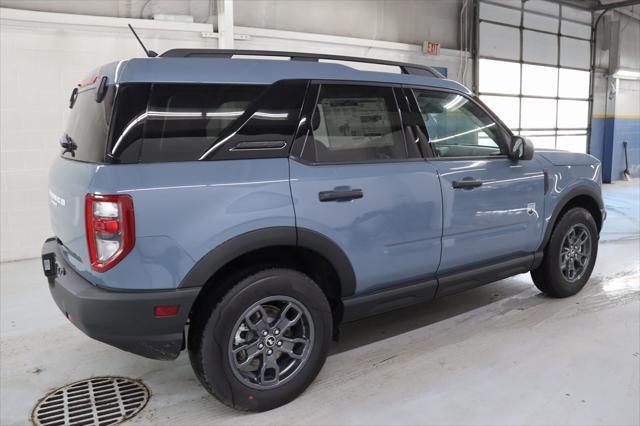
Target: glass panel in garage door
[499,41]
[542,7]
[505,107]
[538,113]
[540,48]
[508,15]
[576,30]
[572,114]
[576,15]
[573,84]
[541,138]
[540,22]
[499,77]
[574,53]
[539,81]
[573,143]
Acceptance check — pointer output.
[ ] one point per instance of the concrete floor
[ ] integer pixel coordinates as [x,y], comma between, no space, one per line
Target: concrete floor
[500,354]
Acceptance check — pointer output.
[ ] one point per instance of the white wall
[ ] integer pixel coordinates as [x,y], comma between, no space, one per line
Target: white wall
[40,63]
[201,10]
[629,44]
[405,21]
[42,57]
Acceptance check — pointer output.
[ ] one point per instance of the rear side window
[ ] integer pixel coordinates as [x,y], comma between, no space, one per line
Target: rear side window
[184,121]
[189,122]
[87,129]
[355,123]
[128,123]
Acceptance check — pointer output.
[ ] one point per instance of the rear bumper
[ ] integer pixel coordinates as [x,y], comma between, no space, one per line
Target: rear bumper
[122,319]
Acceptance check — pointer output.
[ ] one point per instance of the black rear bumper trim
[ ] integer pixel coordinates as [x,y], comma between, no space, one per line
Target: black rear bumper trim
[122,319]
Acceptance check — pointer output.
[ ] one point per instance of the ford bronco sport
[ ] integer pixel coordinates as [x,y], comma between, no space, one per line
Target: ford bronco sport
[244,208]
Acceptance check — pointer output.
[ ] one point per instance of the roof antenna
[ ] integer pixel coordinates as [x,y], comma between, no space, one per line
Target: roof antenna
[150,53]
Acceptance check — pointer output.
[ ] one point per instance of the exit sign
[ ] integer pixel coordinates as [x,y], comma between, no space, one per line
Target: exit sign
[431,48]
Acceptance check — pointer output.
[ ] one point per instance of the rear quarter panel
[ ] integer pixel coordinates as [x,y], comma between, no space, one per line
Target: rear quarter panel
[69,182]
[185,209]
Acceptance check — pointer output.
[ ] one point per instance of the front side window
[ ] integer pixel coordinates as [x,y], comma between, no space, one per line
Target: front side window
[457,127]
[355,123]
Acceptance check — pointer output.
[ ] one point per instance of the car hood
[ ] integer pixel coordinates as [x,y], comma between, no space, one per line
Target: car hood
[566,158]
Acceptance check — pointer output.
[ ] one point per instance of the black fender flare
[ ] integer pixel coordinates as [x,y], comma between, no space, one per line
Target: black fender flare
[242,244]
[566,198]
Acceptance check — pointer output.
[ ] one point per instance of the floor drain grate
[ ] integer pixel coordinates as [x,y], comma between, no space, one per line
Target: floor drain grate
[98,401]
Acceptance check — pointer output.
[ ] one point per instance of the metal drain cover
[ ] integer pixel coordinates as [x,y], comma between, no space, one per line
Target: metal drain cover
[98,401]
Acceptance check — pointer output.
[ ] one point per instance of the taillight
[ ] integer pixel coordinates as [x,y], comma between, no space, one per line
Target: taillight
[110,228]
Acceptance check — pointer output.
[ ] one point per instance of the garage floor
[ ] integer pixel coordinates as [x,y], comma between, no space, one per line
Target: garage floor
[500,354]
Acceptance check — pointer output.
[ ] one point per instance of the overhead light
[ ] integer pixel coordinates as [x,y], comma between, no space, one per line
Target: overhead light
[627,74]
[173,17]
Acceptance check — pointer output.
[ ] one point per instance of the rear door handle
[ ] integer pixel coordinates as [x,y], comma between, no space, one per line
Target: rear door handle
[340,195]
[466,184]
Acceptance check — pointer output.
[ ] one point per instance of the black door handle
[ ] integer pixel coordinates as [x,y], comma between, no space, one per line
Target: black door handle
[466,184]
[340,195]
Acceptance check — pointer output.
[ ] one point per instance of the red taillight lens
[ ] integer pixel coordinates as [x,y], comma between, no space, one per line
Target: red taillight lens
[109,226]
[110,229]
[166,310]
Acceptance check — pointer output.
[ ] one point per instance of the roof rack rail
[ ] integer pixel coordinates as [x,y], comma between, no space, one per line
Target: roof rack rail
[413,69]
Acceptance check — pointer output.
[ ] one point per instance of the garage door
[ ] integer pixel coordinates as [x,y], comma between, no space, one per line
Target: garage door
[533,69]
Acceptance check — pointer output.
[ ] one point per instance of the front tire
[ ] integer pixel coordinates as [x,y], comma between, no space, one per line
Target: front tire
[264,341]
[570,255]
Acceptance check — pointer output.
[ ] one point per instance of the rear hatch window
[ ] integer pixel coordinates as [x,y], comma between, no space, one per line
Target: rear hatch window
[85,137]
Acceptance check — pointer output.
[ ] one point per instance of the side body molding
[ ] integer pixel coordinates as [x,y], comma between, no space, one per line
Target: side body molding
[272,237]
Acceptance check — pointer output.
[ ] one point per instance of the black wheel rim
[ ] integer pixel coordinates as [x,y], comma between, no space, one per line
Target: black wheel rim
[271,342]
[575,252]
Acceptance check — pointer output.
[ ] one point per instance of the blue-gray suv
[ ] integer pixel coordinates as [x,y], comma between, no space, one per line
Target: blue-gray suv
[243,208]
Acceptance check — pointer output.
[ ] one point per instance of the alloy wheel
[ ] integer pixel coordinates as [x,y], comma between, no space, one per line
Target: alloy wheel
[575,252]
[270,342]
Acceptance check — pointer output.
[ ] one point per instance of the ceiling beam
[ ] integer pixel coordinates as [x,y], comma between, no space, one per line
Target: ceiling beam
[615,5]
[580,4]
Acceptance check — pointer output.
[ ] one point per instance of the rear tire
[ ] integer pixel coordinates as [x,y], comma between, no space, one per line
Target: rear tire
[251,371]
[570,255]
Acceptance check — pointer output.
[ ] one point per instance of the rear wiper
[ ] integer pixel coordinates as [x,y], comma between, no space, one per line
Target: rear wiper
[68,144]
